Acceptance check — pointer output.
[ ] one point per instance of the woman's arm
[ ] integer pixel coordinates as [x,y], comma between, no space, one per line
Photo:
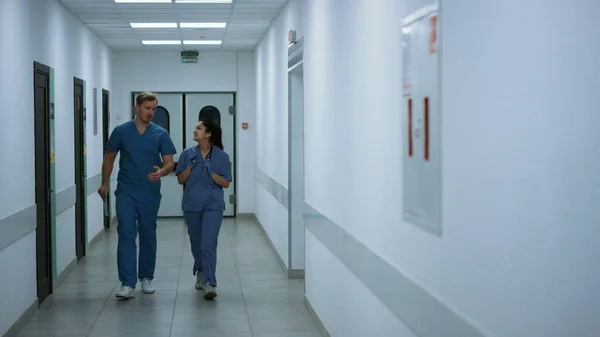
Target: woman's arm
[220,180]
[184,175]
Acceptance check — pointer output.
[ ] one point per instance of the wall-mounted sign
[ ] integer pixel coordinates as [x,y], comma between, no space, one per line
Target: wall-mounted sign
[292,38]
[189,56]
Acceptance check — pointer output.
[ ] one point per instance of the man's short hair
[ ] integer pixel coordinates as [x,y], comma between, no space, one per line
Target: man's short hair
[145,97]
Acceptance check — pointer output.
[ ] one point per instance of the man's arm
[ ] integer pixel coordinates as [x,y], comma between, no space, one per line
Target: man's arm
[168,165]
[107,166]
[167,149]
[112,148]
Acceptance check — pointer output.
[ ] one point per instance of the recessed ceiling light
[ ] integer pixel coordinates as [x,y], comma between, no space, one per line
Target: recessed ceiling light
[161,42]
[154,25]
[143,1]
[202,42]
[204,1]
[202,24]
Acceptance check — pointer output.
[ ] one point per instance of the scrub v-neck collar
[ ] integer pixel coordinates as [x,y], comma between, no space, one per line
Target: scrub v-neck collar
[137,131]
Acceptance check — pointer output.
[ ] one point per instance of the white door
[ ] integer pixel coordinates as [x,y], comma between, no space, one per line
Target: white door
[194,103]
[169,115]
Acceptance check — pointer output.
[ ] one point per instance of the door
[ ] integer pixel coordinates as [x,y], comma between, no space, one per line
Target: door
[215,106]
[422,177]
[42,180]
[105,135]
[80,174]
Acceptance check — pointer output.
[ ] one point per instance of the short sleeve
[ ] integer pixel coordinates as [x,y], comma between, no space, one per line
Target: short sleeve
[115,140]
[166,145]
[226,168]
[182,162]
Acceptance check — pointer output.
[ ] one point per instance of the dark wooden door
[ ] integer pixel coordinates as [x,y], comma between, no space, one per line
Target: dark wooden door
[105,135]
[42,180]
[80,174]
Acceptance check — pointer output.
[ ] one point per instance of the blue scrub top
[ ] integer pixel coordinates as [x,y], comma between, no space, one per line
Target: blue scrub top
[201,192]
[139,154]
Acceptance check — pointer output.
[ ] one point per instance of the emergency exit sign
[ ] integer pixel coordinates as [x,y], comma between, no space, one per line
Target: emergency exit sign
[189,56]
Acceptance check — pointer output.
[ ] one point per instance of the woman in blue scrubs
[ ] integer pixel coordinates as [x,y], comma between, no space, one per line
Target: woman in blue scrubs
[204,170]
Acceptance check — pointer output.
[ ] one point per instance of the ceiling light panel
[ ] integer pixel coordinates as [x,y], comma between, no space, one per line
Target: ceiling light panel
[204,42]
[154,25]
[202,24]
[203,1]
[161,42]
[143,1]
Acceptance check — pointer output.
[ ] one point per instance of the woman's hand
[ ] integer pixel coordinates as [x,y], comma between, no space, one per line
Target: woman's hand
[219,180]
[183,176]
[208,168]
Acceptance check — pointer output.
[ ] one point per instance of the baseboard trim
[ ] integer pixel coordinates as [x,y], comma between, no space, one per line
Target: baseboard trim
[246,216]
[315,318]
[272,246]
[292,274]
[295,274]
[63,275]
[20,323]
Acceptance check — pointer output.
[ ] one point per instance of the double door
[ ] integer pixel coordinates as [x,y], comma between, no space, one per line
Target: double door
[179,114]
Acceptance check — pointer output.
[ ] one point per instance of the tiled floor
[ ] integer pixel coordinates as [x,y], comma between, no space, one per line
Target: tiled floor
[255,299]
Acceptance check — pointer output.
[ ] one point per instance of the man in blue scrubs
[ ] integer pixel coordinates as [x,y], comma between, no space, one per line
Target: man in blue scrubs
[141,143]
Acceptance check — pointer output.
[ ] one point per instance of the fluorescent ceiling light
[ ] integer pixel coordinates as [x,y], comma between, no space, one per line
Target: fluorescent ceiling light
[202,42]
[202,24]
[154,25]
[203,1]
[142,1]
[161,42]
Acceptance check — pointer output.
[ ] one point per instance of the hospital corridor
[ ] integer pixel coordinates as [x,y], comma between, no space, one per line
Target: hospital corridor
[299,168]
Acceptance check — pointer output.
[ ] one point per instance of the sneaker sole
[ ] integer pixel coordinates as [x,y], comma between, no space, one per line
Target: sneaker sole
[210,295]
[148,291]
[198,286]
[124,297]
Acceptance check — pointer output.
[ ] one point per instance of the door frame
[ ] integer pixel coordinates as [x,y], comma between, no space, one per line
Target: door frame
[134,94]
[80,170]
[105,137]
[44,178]
[296,188]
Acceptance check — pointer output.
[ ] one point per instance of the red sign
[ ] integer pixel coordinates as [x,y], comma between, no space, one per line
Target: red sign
[433,35]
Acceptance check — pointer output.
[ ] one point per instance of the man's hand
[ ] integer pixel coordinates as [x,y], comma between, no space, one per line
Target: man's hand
[103,191]
[155,176]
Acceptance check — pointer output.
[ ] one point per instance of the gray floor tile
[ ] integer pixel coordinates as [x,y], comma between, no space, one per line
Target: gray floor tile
[255,298]
[279,325]
[289,334]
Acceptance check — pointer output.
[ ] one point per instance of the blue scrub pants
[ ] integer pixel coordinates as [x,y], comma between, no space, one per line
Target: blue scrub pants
[203,229]
[136,213]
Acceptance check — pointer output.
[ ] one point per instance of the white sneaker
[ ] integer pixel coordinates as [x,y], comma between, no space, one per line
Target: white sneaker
[209,291]
[125,292]
[199,280]
[147,286]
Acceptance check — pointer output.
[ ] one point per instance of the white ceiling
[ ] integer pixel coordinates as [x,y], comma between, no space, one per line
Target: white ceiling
[247,22]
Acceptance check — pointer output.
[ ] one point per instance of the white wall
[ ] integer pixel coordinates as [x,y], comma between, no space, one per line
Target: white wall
[215,71]
[272,124]
[42,31]
[518,256]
